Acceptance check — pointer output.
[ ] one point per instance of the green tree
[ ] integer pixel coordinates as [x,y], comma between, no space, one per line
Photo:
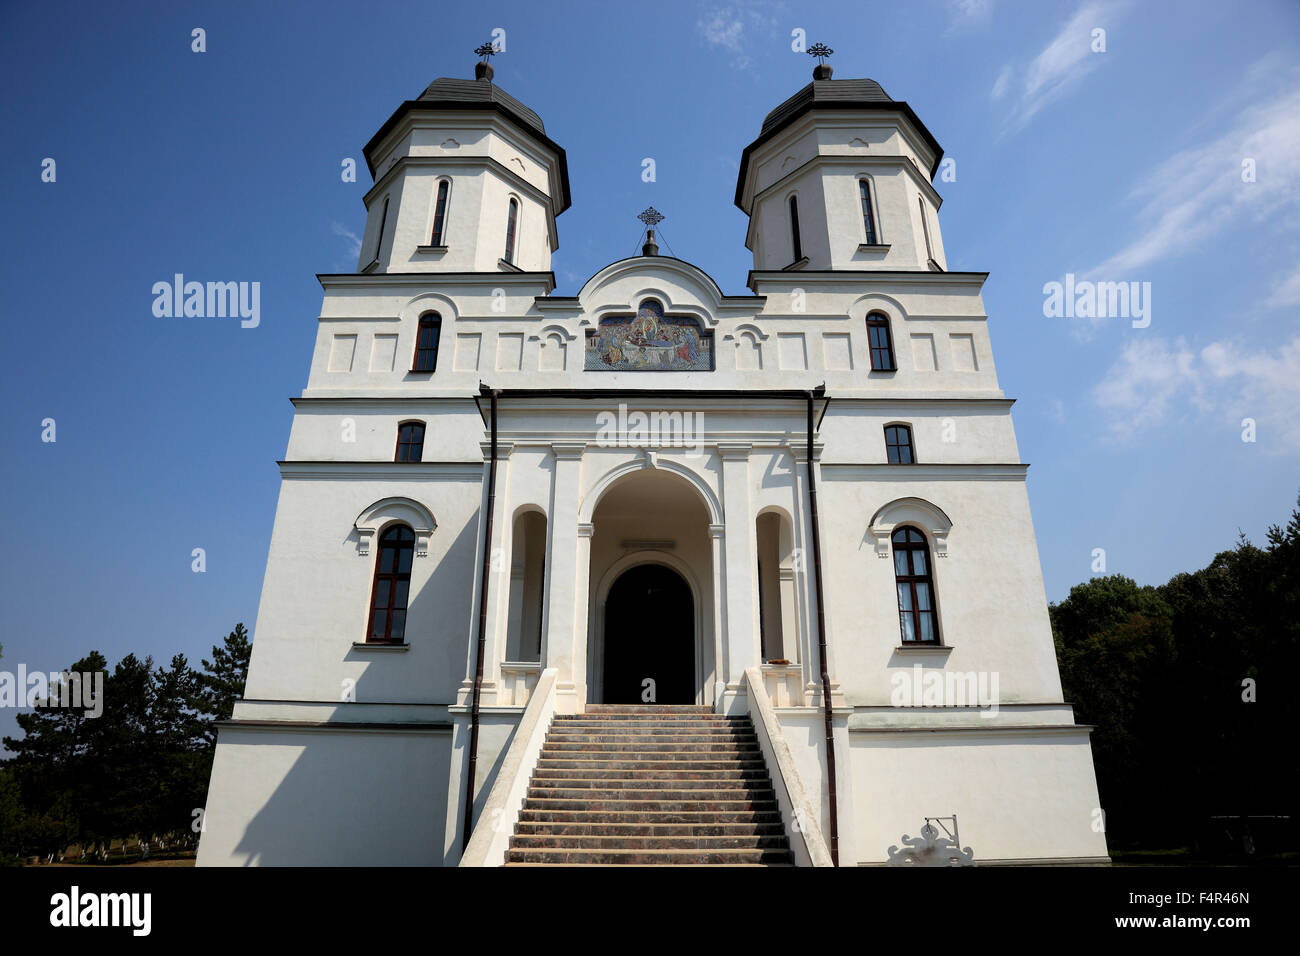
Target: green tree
[222,681]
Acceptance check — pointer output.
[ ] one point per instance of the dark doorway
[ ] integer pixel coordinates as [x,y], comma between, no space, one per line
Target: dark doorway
[649,633]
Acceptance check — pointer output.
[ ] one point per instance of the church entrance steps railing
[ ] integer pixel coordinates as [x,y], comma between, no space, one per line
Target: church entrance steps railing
[496,824]
[518,680]
[797,811]
[784,684]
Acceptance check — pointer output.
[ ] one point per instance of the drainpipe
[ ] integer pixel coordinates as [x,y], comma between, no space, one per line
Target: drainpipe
[817,393]
[482,623]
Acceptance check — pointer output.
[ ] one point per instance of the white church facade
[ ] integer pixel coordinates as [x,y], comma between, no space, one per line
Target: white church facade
[652,573]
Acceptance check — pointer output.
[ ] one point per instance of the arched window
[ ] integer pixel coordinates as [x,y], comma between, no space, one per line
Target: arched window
[868,222]
[882,346]
[410,441]
[383,221]
[916,616]
[392,586]
[511,222]
[898,443]
[426,342]
[440,214]
[925,228]
[794,228]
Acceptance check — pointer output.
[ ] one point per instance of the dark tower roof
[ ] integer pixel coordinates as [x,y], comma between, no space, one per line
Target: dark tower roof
[452,93]
[449,93]
[834,94]
[828,94]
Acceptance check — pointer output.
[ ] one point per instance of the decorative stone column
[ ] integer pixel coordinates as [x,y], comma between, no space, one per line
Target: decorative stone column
[565,647]
[741,595]
[498,584]
[581,607]
[716,532]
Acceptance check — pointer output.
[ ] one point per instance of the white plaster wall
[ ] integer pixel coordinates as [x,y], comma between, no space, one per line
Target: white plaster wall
[989,592]
[326,798]
[1016,795]
[316,594]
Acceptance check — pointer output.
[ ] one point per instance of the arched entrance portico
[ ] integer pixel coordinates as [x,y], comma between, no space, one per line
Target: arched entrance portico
[651,597]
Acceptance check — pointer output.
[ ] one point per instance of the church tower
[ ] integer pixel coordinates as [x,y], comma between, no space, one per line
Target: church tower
[466,180]
[840,178]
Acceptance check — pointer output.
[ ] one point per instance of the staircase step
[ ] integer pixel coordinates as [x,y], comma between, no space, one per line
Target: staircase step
[581,786]
[650,785]
[582,814]
[671,709]
[661,773]
[747,841]
[717,720]
[603,794]
[525,828]
[648,857]
[616,762]
[632,746]
[682,805]
[606,728]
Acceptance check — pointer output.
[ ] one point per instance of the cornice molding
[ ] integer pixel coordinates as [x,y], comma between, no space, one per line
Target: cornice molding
[861,471]
[407,470]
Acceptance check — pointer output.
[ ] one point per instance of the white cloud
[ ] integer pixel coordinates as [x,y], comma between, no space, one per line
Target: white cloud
[1155,383]
[354,241]
[1061,65]
[1002,83]
[725,28]
[1287,292]
[968,13]
[1199,192]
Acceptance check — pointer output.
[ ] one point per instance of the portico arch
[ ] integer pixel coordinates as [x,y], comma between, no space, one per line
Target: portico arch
[640,517]
[651,460]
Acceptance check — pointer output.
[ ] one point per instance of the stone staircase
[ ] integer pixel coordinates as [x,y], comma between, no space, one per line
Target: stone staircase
[650,785]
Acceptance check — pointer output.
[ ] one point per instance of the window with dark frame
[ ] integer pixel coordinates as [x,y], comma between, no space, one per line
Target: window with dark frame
[898,444]
[915,586]
[882,346]
[392,586]
[440,214]
[925,228]
[410,441]
[426,342]
[510,232]
[868,223]
[794,228]
[383,221]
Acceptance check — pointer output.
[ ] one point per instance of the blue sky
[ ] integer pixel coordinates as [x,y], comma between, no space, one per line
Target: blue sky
[1121,165]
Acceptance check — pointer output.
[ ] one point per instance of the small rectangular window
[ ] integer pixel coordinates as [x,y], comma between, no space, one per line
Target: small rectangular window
[878,339]
[440,214]
[511,222]
[426,343]
[898,444]
[794,228]
[383,221]
[925,228]
[410,441]
[868,222]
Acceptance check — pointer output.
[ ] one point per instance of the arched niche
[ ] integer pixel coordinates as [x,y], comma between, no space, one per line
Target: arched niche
[387,511]
[929,517]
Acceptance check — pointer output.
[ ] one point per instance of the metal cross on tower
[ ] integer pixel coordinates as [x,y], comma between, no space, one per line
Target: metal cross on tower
[651,217]
[823,70]
[483,69]
[821,51]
